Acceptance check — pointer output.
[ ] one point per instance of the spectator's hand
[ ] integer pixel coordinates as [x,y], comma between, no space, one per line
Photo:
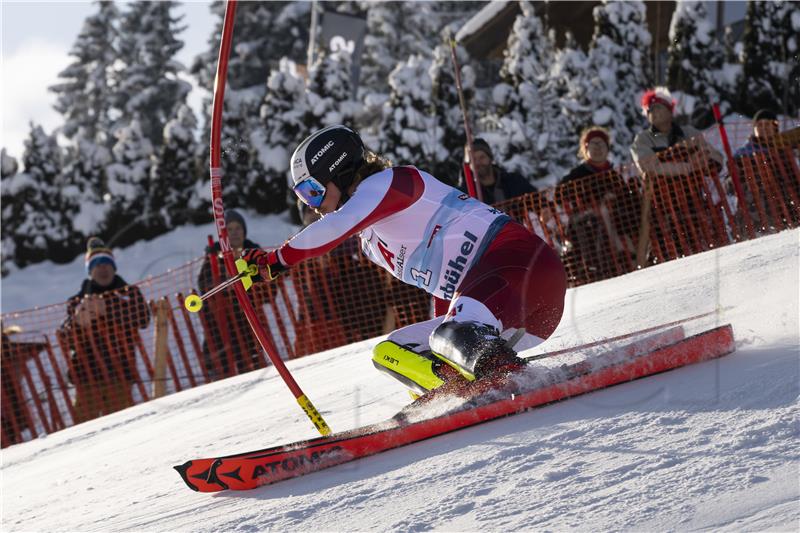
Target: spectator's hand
[89,309]
[83,315]
[545,215]
[100,306]
[269,266]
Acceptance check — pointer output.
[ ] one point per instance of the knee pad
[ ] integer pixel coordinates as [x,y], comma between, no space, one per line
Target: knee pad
[470,347]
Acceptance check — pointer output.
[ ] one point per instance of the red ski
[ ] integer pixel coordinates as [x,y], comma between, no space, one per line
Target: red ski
[250,470]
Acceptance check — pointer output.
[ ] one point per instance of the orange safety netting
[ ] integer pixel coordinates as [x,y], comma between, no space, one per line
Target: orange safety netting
[59,369]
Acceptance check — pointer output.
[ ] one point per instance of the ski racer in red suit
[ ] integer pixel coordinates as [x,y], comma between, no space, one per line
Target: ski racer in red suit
[496,274]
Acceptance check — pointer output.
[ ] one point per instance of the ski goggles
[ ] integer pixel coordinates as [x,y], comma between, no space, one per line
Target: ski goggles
[310,191]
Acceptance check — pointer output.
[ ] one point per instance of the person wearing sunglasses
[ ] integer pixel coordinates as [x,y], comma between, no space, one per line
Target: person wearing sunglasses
[497,276]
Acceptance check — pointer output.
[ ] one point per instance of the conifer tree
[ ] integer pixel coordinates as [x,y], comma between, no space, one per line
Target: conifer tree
[86,185]
[8,165]
[619,57]
[8,169]
[37,218]
[571,73]
[395,30]
[330,91]
[407,127]
[265,31]
[175,173]
[147,83]
[771,58]
[284,117]
[84,96]
[696,58]
[531,120]
[129,186]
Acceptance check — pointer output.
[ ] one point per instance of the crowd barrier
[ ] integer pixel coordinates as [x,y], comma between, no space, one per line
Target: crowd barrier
[64,364]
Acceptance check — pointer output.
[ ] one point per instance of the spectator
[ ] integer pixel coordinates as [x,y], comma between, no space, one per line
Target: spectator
[651,146]
[676,160]
[100,331]
[766,168]
[496,183]
[231,337]
[603,213]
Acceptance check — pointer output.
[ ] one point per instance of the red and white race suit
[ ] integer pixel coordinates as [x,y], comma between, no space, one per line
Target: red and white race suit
[435,237]
[424,232]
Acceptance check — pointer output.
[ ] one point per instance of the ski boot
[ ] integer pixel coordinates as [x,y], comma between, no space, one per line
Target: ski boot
[419,370]
[475,350]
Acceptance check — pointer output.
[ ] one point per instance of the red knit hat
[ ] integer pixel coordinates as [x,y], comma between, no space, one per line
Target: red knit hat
[657,95]
[593,132]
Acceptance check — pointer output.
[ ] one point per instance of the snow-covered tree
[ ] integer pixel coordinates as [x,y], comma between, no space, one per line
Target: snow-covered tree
[395,31]
[696,60]
[771,58]
[36,216]
[175,173]
[147,82]
[619,58]
[84,96]
[571,74]
[406,134]
[284,124]
[532,126]
[8,165]
[129,186]
[86,184]
[8,169]
[330,91]
[449,126]
[265,32]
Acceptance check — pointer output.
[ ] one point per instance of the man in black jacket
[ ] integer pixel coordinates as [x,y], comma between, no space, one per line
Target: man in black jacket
[230,336]
[99,332]
[496,183]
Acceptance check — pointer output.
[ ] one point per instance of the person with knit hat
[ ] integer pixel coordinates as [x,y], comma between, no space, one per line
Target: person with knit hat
[676,160]
[765,128]
[98,330]
[763,163]
[225,321]
[496,183]
[664,133]
[603,211]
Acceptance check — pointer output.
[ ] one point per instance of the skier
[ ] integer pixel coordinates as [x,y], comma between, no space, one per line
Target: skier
[496,274]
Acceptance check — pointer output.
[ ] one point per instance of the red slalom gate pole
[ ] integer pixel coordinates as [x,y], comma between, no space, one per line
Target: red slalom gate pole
[219,218]
[737,184]
[469,175]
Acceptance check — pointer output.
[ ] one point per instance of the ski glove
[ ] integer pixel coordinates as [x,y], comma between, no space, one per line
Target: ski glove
[269,266]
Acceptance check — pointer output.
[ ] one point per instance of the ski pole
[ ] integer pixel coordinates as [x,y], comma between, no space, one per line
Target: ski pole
[194,302]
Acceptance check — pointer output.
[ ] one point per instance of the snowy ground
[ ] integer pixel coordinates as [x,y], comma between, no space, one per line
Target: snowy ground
[712,446]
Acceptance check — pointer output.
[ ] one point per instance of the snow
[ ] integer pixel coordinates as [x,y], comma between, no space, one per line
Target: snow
[480,19]
[711,446]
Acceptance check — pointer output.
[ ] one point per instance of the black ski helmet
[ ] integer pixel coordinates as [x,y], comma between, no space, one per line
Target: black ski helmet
[332,154]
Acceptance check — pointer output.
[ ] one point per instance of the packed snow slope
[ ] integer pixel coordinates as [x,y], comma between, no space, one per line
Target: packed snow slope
[711,446]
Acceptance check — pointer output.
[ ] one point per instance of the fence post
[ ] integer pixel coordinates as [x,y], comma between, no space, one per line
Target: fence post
[161,337]
[644,222]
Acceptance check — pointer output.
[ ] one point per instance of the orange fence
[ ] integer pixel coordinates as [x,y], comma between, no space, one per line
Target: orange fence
[67,363]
